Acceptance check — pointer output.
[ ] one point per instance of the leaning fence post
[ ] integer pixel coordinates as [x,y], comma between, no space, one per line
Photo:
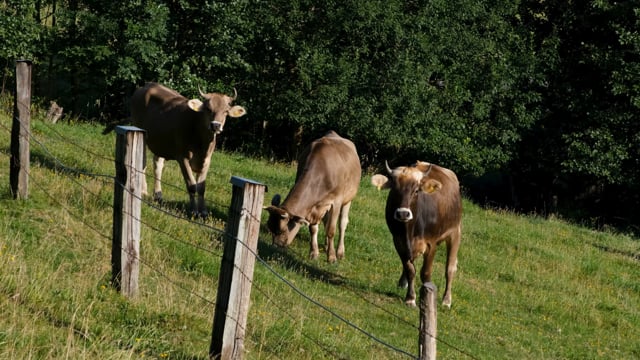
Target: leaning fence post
[428,321]
[125,250]
[236,273]
[19,168]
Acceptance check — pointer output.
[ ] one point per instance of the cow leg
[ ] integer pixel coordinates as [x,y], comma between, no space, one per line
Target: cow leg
[201,183]
[404,257]
[325,220]
[190,181]
[200,188]
[427,265]
[452,265]
[408,270]
[313,251]
[330,232]
[158,166]
[344,221]
[144,191]
[409,274]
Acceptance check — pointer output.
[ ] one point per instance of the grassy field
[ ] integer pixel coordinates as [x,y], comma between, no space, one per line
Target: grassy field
[526,288]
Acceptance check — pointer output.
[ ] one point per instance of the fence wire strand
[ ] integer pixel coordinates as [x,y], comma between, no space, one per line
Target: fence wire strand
[69,170]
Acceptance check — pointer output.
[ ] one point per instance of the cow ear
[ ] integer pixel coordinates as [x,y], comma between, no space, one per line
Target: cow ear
[380,181]
[423,166]
[430,186]
[195,105]
[300,220]
[237,111]
[274,210]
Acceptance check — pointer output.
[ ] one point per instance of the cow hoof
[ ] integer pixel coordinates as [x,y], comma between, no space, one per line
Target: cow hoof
[403,283]
[410,303]
[197,215]
[331,259]
[313,255]
[446,303]
[157,196]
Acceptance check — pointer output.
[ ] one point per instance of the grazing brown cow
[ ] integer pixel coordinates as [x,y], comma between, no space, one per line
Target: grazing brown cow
[327,180]
[183,130]
[423,209]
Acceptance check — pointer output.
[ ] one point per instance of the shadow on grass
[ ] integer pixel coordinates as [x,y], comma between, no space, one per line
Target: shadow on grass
[634,256]
[291,262]
[182,209]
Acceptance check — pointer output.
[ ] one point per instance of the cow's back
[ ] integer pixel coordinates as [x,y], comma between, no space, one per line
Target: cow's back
[162,113]
[328,173]
[333,165]
[151,102]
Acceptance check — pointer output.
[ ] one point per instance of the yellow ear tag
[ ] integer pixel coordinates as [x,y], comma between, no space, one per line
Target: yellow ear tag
[195,105]
[379,181]
[237,111]
[432,186]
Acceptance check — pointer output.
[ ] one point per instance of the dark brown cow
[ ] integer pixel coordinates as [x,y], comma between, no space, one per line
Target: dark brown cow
[423,209]
[183,130]
[327,180]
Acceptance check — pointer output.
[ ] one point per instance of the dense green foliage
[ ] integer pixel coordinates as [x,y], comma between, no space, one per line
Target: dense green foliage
[544,93]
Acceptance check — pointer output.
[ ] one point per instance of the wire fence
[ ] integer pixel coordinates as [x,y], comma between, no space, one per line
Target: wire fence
[74,172]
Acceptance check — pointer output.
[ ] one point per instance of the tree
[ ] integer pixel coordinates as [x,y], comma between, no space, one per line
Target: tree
[100,51]
[584,152]
[543,93]
[368,70]
[20,35]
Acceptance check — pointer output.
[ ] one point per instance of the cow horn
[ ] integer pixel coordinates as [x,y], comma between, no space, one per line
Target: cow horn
[386,164]
[428,170]
[202,93]
[235,94]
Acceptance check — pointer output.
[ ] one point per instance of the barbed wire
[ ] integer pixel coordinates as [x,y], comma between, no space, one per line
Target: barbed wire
[394,315]
[179,188]
[75,143]
[136,256]
[93,228]
[258,258]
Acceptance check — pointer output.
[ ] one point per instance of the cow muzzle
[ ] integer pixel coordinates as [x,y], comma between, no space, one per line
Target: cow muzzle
[403,214]
[216,127]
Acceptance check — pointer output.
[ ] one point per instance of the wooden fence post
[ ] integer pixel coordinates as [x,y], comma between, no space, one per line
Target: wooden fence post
[236,273]
[428,321]
[125,250]
[20,130]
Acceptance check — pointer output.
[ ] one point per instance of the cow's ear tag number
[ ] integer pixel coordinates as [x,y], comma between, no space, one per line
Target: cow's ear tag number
[195,104]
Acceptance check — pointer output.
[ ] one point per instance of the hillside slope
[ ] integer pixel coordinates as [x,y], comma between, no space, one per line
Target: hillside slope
[526,287]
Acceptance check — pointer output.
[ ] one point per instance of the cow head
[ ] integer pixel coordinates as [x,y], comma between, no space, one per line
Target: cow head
[404,184]
[217,107]
[282,225]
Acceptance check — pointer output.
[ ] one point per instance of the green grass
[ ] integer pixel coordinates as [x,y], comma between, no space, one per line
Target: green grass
[526,288]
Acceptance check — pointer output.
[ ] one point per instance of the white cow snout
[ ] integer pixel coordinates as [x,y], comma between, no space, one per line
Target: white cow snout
[216,127]
[403,214]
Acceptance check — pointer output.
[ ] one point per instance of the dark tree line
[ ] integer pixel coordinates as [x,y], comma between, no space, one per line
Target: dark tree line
[535,103]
